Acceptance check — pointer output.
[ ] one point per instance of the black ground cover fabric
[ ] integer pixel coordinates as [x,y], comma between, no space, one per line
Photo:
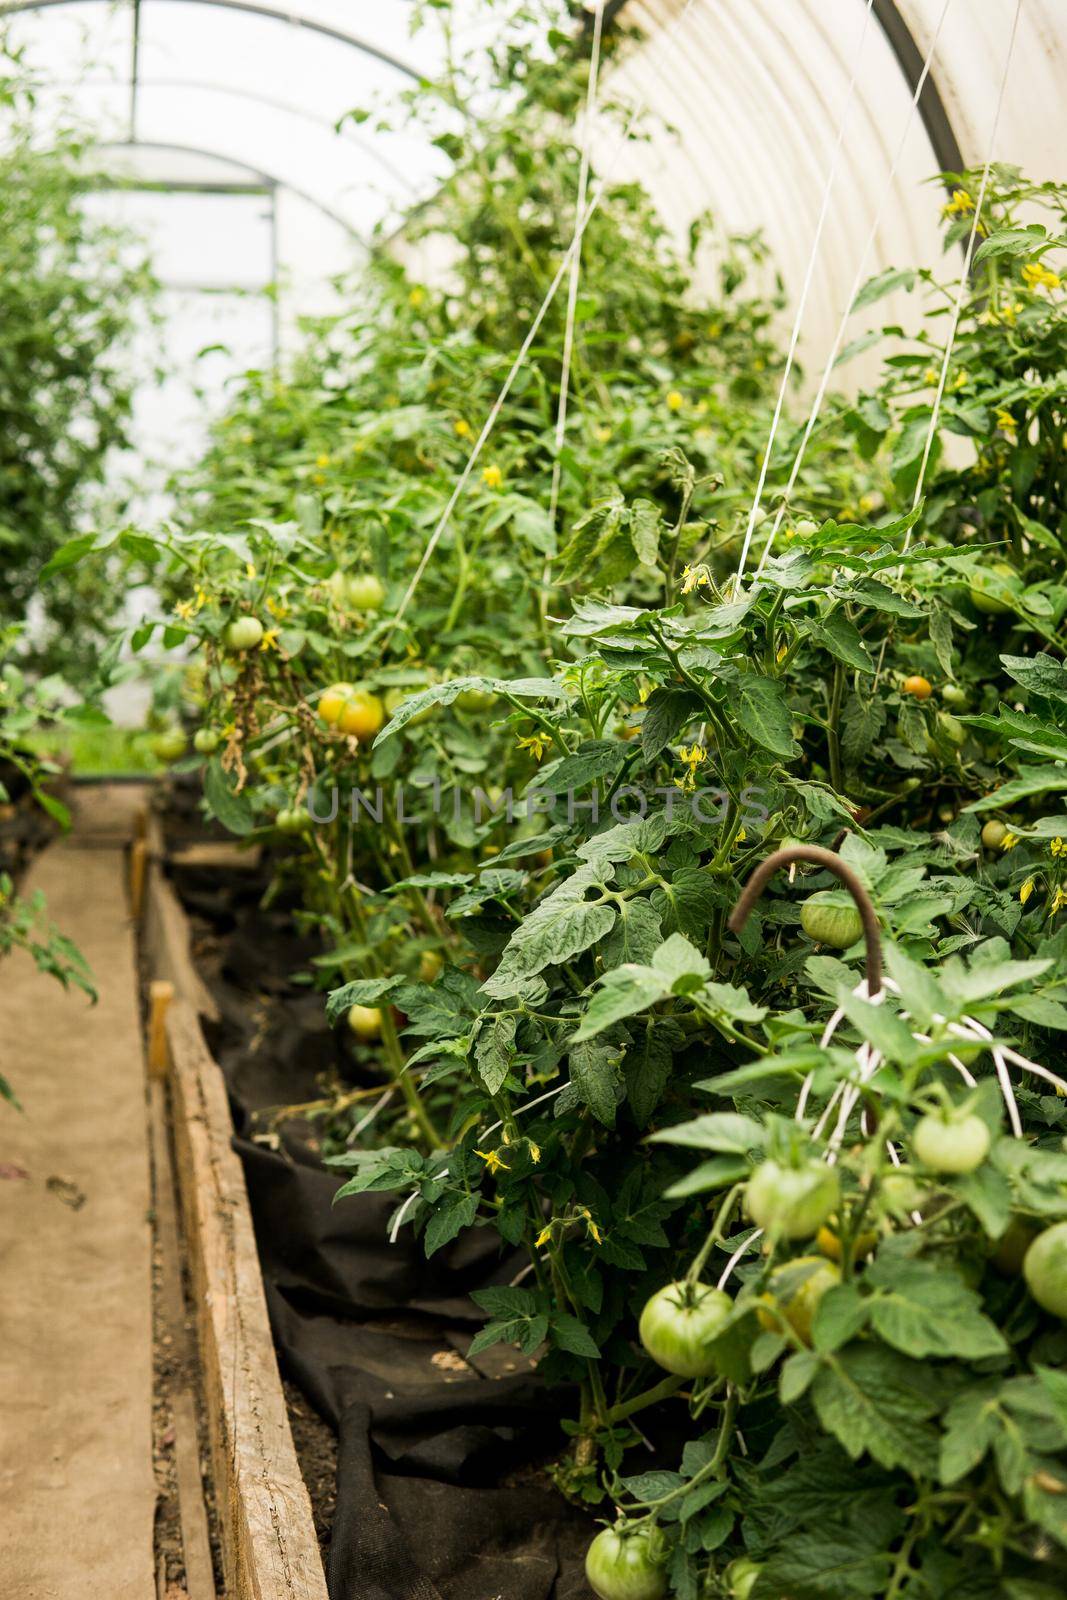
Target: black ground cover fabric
[439,1493]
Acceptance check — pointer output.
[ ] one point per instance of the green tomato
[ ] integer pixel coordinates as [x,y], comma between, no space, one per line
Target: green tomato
[951,1144]
[621,1565]
[954,696]
[365,1022]
[951,728]
[792,1202]
[1009,1251]
[900,1194]
[988,586]
[395,698]
[206,741]
[793,1295]
[292,820]
[830,917]
[1045,1270]
[243,633]
[169,745]
[475,700]
[994,834]
[741,1577]
[679,1323]
[365,591]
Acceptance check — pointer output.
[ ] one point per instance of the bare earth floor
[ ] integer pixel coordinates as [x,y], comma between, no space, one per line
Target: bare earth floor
[76,1483]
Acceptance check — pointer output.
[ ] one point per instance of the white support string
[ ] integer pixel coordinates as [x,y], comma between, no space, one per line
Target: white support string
[857,284]
[809,275]
[576,260]
[965,275]
[671,41]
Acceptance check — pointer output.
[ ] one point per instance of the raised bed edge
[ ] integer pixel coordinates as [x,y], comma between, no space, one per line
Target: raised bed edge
[270,1549]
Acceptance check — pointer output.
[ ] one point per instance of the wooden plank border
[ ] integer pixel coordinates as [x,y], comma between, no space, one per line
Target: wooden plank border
[270,1549]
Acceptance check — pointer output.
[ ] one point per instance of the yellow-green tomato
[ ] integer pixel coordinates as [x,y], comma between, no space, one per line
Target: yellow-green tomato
[365,591]
[994,833]
[830,917]
[293,820]
[678,1325]
[625,1565]
[474,700]
[365,1022]
[395,698]
[430,964]
[362,715]
[741,1577]
[988,588]
[792,1202]
[1045,1269]
[169,745]
[206,741]
[954,696]
[243,633]
[794,1293]
[333,700]
[950,1144]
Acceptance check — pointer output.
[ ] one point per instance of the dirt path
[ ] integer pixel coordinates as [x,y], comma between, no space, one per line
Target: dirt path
[76,1485]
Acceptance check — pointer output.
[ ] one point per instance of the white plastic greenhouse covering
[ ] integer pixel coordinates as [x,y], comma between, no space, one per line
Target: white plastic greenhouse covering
[230,117]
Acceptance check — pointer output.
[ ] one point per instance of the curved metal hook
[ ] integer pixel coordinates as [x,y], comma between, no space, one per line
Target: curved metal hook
[821,858]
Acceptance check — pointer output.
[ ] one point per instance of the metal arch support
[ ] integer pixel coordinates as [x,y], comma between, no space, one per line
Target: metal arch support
[932,109]
[290,19]
[271,102]
[263,181]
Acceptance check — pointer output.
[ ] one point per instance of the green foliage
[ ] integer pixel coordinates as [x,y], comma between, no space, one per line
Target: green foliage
[70,288]
[597,732]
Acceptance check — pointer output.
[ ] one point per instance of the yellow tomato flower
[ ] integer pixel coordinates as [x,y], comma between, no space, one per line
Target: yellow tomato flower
[535,1151]
[1058,846]
[250,572]
[930,376]
[1059,899]
[961,205]
[602,434]
[868,503]
[1009,841]
[675,400]
[1026,891]
[1035,276]
[322,460]
[694,578]
[493,1161]
[492,476]
[536,744]
[1006,422]
[463,428]
[277,608]
[269,640]
[416,297]
[544,1237]
[714,330]
[591,1228]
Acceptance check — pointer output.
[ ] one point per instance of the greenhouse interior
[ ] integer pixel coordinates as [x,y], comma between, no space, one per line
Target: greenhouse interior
[533,799]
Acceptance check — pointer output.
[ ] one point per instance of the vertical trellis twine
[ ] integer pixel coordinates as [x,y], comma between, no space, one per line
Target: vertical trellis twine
[671,39]
[809,275]
[857,284]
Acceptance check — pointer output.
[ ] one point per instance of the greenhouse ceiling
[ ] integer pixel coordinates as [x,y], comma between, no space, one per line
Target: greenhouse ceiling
[248,114]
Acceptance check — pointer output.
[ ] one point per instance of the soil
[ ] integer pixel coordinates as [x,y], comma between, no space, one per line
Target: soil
[316,1450]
